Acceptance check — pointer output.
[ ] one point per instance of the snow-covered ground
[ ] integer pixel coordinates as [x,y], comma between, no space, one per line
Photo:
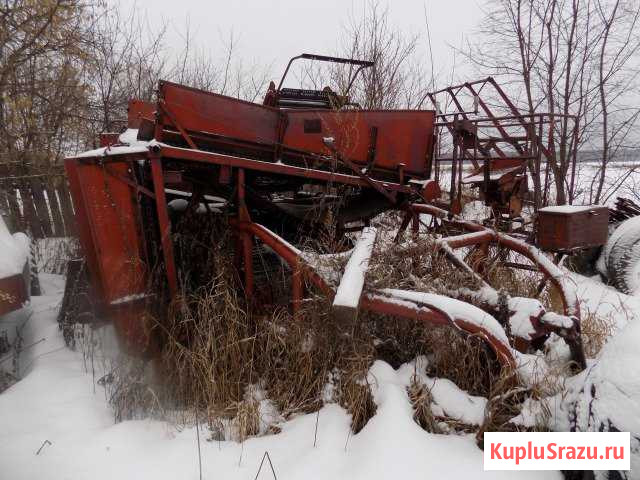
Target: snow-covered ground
[622,179]
[59,410]
[604,301]
[56,423]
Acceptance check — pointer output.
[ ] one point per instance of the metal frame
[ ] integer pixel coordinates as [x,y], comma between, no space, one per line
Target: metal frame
[530,147]
[324,58]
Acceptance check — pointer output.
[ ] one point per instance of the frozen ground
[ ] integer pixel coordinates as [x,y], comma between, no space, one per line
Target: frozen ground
[59,410]
[605,301]
[58,407]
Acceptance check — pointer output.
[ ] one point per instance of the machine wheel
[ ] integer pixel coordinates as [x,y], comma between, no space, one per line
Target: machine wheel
[622,256]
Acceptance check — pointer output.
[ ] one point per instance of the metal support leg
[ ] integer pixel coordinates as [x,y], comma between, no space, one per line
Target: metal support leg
[164,223]
[246,238]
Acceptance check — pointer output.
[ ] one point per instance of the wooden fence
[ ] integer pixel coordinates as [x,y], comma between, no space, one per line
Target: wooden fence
[39,204]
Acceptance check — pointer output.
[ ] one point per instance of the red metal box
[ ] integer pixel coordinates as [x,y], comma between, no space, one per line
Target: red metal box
[571,227]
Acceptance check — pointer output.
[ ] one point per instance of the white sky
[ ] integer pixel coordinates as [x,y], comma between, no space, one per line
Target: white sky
[272,31]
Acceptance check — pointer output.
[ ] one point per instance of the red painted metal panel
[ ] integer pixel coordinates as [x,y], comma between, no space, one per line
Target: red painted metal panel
[137,110]
[106,214]
[199,111]
[402,136]
[107,139]
[107,224]
[14,293]
[81,216]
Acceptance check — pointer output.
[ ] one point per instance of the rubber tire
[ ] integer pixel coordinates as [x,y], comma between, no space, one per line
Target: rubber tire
[622,256]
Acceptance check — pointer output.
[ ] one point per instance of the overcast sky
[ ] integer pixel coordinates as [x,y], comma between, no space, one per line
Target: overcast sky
[272,31]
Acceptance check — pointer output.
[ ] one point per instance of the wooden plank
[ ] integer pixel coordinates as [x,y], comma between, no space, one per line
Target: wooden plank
[31,221]
[14,208]
[66,207]
[41,206]
[54,206]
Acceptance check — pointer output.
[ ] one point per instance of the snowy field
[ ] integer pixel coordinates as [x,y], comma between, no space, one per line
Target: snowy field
[622,179]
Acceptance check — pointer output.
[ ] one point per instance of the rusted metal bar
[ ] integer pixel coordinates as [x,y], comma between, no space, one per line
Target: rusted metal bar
[450,159]
[432,315]
[324,58]
[165,109]
[246,238]
[545,266]
[494,119]
[279,168]
[164,224]
[137,187]
[381,304]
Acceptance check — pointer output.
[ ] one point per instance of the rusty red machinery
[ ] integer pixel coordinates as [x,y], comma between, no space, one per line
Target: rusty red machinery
[14,292]
[14,285]
[272,164]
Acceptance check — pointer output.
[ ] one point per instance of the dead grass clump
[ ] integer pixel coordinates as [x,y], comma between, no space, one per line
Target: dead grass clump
[296,356]
[416,265]
[421,399]
[133,393]
[464,359]
[504,403]
[247,419]
[596,330]
[209,345]
[355,396]
[216,353]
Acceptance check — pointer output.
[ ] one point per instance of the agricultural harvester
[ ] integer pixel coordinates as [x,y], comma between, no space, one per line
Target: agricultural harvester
[280,172]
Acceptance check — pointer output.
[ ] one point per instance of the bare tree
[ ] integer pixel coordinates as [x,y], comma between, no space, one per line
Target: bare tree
[41,50]
[567,58]
[126,59]
[397,78]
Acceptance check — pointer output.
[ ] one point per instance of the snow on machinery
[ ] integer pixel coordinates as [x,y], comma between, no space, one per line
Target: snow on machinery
[14,270]
[281,173]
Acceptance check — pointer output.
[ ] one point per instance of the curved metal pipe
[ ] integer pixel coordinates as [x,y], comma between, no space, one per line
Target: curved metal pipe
[382,304]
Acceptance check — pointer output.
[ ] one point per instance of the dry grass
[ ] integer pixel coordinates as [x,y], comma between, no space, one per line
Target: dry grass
[596,330]
[504,402]
[421,399]
[218,352]
[415,265]
[133,390]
